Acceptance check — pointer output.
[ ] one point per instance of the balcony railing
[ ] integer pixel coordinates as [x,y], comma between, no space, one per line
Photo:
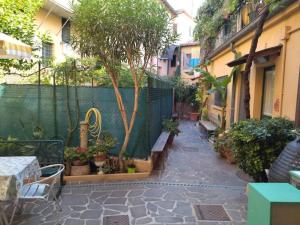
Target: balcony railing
[235,23]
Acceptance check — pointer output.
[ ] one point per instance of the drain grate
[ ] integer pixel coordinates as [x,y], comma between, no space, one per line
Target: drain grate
[211,213]
[116,220]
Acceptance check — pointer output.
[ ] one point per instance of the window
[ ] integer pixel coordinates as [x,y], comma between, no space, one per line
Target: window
[227,28]
[66,30]
[218,99]
[173,61]
[268,91]
[175,29]
[46,50]
[186,61]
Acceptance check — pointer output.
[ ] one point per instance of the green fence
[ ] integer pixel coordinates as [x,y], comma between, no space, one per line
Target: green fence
[24,107]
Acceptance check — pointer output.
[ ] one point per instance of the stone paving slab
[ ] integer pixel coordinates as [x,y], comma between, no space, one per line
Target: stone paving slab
[195,176]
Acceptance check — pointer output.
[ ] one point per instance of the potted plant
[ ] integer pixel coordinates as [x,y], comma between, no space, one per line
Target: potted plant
[193,100]
[222,145]
[100,148]
[131,168]
[110,166]
[171,126]
[78,159]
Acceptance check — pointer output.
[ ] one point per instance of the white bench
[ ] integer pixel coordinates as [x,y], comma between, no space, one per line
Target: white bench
[208,126]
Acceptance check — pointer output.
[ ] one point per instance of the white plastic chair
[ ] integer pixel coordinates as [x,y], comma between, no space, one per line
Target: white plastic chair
[39,189]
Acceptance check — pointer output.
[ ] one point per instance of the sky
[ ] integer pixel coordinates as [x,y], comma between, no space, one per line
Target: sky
[190,6]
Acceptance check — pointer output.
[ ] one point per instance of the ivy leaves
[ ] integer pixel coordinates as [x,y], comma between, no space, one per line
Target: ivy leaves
[209,20]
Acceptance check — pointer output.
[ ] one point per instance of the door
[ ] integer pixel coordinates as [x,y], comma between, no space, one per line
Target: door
[268,92]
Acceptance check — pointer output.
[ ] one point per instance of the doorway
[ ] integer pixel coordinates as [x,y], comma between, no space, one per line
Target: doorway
[268,92]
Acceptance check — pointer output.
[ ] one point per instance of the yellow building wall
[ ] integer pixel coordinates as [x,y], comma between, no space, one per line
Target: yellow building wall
[195,53]
[283,29]
[52,26]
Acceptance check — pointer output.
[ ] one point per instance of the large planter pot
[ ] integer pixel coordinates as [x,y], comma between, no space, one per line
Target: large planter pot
[288,160]
[78,163]
[80,170]
[227,154]
[194,116]
[100,157]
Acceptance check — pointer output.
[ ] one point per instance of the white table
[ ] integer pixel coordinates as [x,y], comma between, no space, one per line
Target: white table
[13,172]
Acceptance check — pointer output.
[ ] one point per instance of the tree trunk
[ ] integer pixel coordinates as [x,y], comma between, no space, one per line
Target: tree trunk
[258,32]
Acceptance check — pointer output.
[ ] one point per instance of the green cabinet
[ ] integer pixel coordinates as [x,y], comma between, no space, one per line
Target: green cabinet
[273,204]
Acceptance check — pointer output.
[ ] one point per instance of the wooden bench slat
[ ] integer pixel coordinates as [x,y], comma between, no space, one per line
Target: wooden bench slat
[161,142]
[209,126]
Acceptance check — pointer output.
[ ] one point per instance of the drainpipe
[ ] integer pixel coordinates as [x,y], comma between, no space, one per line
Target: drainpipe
[167,67]
[285,40]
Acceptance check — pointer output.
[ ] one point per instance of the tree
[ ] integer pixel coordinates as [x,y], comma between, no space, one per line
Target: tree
[122,31]
[17,20]
[269,5]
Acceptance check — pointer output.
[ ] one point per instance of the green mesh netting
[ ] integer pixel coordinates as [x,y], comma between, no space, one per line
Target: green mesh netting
[23,107]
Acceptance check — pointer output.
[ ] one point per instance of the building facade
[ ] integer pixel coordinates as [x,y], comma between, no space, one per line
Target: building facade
[274,78]
[53,21]
[170,61]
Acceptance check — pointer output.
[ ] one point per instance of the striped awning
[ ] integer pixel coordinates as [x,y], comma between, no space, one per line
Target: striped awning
[11,48]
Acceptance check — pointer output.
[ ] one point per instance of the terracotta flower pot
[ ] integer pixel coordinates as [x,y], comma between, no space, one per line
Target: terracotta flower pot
[80,170]
[100,157]
[194,116]
[229,155]
[78,163]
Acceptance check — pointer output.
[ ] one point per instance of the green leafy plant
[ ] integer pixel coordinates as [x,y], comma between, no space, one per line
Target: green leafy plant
[171,126]
[256,144]
[192,98]
[73,154]
[222,140]
[208,22]
[103,145]
[17,20]
[297,131]
[181,89]
[218,85]
[9,148]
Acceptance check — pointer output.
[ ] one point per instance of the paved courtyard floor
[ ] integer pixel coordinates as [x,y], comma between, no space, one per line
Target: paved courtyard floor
[194,174]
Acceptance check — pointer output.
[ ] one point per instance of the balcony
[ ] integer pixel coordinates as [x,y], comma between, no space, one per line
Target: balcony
[236,22]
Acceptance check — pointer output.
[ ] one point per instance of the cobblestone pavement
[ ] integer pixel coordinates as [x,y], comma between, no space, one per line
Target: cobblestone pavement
[193,174]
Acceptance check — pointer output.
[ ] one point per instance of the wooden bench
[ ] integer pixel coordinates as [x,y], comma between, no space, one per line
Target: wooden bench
[159,150]
[208,126]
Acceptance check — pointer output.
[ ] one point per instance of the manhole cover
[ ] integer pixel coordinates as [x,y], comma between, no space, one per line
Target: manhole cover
[211,212]
[116,220]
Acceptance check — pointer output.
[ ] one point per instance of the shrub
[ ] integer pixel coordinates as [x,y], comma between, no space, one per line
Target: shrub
[171,126]
[222,141]
[257,144]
